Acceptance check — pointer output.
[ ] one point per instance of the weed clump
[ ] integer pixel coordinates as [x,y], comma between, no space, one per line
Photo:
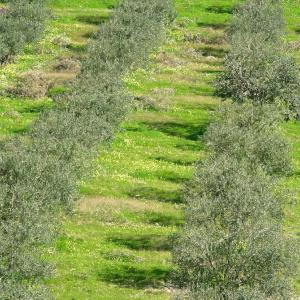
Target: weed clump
[67,64]
[32,84]
[61,40]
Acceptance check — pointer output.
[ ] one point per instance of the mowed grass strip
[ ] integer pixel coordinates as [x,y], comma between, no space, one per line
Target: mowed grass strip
[133,200]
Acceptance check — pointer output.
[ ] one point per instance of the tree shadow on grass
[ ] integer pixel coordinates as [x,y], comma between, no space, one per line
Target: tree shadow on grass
[189,132]
[296,174]
[20,130]
[162,174]
[131,276]
[92,19]
[211,51]
[77,48]
[152,193]
[173,177]
[217,9]
[149,242]
[196,147]
[179,162]
[37,109]
[215,26]
[111,6]
[162,219]
[90,35]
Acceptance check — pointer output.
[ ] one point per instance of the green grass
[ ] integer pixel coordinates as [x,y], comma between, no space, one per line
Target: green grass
[117,243]
[16,114]
[72,19]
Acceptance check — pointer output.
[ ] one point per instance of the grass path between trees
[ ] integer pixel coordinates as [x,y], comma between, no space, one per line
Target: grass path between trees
[117,243]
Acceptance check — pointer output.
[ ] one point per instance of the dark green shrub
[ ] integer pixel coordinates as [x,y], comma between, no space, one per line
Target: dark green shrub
[25,221]
[260,74]
[233,245]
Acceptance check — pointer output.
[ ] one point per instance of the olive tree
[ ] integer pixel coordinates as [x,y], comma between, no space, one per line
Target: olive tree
[21,23]
[251,132]
[232,245]
[257,66]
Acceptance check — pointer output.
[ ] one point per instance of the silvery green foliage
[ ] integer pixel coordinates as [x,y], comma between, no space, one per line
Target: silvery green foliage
[25,221]
[22,23]
[262,18]
[233,245]
[16,291]
[40,170]
[213,294]
[257,66]
[126,40]
[251,132]
[260,74]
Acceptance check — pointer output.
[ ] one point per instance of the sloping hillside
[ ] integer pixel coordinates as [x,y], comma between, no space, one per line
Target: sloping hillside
[116,244]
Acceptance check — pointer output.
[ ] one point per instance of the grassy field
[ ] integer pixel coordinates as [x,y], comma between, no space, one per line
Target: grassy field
[116,244]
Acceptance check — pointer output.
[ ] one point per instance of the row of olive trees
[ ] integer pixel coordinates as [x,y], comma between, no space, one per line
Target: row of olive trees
[258,66]
[21,22]
[40,170]
[233,246]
